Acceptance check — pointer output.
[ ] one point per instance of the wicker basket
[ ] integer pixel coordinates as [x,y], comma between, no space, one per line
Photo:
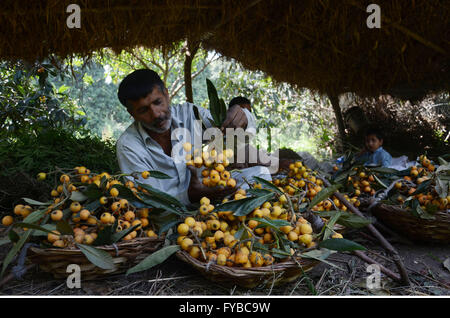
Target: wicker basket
[276,274]
[127,254]
[414,228]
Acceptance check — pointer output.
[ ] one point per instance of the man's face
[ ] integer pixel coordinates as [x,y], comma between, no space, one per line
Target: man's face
[373,143]
[247,106]
[152,111]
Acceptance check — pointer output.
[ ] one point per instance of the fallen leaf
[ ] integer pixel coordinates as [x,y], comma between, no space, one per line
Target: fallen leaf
[447,264]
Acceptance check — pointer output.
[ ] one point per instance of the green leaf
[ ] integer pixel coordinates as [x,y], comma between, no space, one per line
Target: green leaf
[444,167]
[14,250]
[32,226]
[96,256]
[62,89]
[274,224]
[442,188]
[159,175]
[384,170]
[245,206]
[324,194]
[268,184]
[214,103]
[341,245]
[320,255]
[380,182]
[417,211]
[330,225]
[93,192]
[347,219]
[223,111]
[4,241]
[78,196]
[13,236]
[49,227]
[154,259]
[34,216]
[278,253]
[241,233]
[94,205]
[442,162]
[105,236]
[159,204]
[162,196]
[423,187]
[341,176]
[64,228]
[116,237]
[34,202]
[165,227]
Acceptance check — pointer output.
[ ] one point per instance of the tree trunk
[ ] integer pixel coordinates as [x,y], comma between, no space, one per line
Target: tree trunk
[190,51]
[339,119]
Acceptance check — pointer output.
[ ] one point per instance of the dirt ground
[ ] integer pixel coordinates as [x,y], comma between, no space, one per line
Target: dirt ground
[425,264]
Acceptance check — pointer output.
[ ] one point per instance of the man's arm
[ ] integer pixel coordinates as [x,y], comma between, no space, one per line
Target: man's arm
[130,161]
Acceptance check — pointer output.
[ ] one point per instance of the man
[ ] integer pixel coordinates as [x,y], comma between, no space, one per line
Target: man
[241,101]
[147,143]
[253,156]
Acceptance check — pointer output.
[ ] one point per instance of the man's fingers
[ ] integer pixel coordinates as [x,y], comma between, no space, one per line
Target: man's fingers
[194,177]
[229,119]
[240,120]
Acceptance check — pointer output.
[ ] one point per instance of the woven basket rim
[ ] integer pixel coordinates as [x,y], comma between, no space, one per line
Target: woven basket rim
[442,214]
[263,270]
[135,243]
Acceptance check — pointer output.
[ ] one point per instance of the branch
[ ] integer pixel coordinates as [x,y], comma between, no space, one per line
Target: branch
[204,67]
[139,59]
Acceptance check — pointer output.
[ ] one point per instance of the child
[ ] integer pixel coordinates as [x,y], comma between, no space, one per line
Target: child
[373,153]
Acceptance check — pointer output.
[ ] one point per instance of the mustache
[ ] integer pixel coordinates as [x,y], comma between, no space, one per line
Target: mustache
[160,119]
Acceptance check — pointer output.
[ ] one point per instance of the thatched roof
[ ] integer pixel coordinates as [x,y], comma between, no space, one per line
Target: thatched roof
[321,44]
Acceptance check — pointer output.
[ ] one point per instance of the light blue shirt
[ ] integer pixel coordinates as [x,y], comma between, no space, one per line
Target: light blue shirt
[137,151]
[378,157]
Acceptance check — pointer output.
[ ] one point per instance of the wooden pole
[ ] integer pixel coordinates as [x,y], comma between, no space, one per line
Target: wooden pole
[396,257]
[190,51]
[339,119]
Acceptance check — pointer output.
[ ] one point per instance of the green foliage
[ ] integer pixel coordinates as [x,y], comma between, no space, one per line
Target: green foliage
[305,120]
[30,102]
[34,153]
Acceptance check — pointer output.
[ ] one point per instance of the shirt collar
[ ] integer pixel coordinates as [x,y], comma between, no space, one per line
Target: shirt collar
[378,150]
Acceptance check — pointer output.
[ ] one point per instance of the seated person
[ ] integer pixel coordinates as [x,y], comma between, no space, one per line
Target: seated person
[253,156]
[147,143]
[373,152]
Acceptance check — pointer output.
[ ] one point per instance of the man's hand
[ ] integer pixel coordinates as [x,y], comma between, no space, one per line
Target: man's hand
[197,189]
[236,118]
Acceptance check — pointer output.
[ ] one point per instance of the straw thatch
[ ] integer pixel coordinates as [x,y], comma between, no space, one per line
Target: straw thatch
[321,44]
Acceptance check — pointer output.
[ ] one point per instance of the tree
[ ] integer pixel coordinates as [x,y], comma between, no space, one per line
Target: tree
[168,63]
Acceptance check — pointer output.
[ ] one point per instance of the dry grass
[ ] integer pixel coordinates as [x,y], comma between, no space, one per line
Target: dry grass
[322,45]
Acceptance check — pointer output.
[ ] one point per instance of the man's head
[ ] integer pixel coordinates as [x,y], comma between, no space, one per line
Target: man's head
[373,139]
[241,101]
[144,95]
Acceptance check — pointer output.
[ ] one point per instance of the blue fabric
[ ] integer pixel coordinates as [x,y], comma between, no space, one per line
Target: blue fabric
[378,157]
